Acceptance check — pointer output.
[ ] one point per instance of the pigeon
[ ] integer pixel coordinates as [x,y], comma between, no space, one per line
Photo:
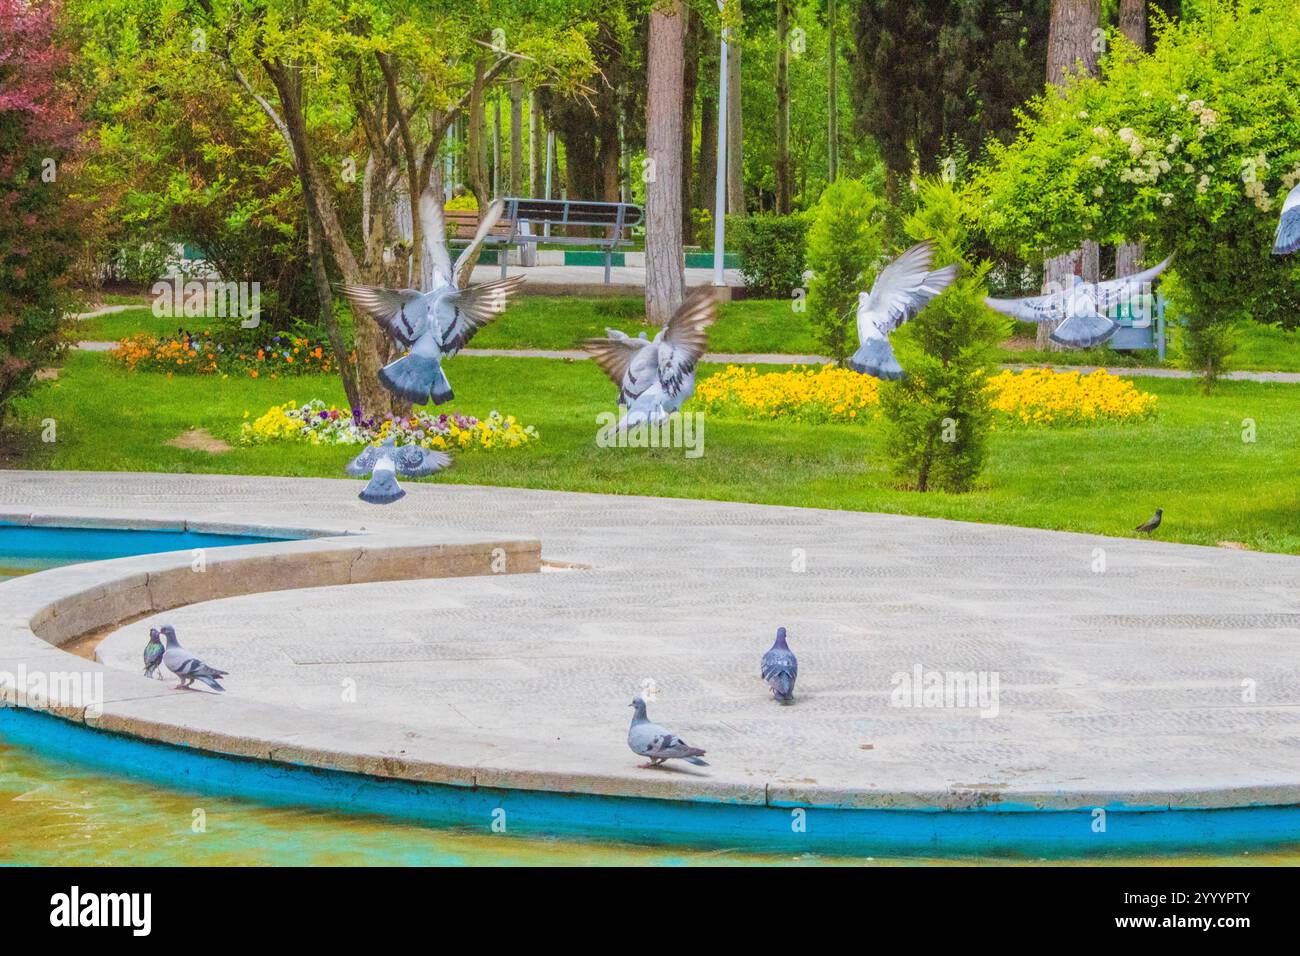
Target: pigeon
[655,377]
[435,325]
[1083,309]
[657,743]
[1288,229]
[780,669]
[383,463]
[186,666]
[1149,526]
[900,291]
[153,654]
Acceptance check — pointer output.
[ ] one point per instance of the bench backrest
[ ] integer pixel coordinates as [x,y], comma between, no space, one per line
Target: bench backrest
[463,224]
[616,216]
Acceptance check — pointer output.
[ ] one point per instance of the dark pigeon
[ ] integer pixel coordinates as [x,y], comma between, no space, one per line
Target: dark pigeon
[1151,525]
[153,654]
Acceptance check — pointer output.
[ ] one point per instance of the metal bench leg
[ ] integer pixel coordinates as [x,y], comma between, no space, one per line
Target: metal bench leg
[609,257]
[503,253]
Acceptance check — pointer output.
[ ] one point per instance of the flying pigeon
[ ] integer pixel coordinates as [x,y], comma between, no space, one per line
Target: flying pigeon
[1149,526]
[1083,309]
[435,325]
[1288,230]
[657,743]
[383,463]
[655,377]
[153,654]
[780,669]
[900,291]
[186,666]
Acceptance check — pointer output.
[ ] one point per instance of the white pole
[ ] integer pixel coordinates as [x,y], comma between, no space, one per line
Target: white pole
[550,160]
[720,184]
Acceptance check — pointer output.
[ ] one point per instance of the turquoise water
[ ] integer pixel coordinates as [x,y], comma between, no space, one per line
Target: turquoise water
[56,812]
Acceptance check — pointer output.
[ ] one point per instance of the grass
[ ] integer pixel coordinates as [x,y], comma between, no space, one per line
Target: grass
[1191,460]
[748,325]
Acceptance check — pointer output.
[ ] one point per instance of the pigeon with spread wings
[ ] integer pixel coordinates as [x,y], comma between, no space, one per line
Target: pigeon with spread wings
[1288,229]
[1083,309]
[383,463]
[435,325]
[656,376]
[900,291]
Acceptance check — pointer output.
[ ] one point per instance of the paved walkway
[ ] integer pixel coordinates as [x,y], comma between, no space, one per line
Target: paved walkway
[1172,677]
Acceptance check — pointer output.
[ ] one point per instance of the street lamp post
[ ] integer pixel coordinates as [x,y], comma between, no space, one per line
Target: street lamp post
[720,185]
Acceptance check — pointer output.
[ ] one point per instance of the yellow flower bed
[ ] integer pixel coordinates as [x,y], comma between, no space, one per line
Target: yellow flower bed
[825,393]
[1039,396]
[830,394]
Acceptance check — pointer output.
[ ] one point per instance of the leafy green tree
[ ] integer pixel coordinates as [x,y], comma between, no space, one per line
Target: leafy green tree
[1191,149]
[939,417]
[844,242]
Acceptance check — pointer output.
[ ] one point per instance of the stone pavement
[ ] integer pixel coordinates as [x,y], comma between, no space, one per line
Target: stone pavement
[1126,670]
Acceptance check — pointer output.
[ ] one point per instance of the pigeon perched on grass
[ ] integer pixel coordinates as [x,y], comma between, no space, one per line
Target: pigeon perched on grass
[1148,526]
[153,654]
[780,669]
[1083,309]
[658,743]
[383,463]
[900,291]
[186,666]
[655,377]
[435,325]
[1288,229]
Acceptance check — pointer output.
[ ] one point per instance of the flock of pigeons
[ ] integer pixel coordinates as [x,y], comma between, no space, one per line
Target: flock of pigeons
[654,378]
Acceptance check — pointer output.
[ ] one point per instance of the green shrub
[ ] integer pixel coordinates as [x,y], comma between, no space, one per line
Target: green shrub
[843,242]
[938,418]
[772,253]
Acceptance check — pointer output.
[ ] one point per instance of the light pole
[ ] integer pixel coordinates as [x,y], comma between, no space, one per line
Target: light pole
[720,184]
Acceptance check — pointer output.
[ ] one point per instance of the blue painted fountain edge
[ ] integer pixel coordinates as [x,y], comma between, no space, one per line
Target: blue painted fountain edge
[1014,831]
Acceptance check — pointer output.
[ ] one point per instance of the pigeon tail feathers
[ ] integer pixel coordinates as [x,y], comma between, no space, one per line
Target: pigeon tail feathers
[1084,331]
[875,357]
[416,378]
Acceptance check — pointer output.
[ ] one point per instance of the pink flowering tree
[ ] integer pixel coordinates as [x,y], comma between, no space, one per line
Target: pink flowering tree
[39,131]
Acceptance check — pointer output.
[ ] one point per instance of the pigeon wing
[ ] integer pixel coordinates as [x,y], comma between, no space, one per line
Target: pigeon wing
[416,462]
[685,337]
[904,287]
[1288,229]
[364,463]
[1114,291]
[401,313]
[468,257]
[614,355]
[1038,308]
[465,311]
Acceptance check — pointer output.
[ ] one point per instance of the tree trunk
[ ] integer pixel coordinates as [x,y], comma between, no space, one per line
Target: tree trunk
[476,145]
[1070,49]
[516,136]
[665,281]
[690,79]
[708,169]
[783,187]
[1133,24]
[536,147]
[735,137]
[833,110]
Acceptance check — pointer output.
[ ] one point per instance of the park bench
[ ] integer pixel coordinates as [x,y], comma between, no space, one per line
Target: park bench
[615,219]
[1141,324]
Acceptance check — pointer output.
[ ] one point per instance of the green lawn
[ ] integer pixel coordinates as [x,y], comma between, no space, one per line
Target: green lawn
[754,325]
[1191,460]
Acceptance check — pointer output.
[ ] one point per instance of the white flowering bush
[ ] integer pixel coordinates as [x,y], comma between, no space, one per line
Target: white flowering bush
[1191,148]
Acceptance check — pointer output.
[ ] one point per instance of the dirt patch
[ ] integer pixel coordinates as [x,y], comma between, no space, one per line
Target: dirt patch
[1020,344]
[1233,545]
[47,374]
[199,439]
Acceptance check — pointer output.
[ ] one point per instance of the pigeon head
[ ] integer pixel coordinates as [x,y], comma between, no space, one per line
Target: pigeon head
[780,637]
[169,632]
[639,706]
[1160,511]
[153,633]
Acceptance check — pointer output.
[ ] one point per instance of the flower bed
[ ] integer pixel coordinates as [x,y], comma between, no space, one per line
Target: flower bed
[824,393]
[831,394]
[191,354]
[319,424]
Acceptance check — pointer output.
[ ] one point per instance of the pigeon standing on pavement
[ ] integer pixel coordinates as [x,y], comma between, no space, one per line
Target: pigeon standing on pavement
[1288,229]
[657,743]
[780,669]
[1083,309]
[186,666]
[1149,526]
[383,463]
[656,377]
[900,291]
[153,654]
